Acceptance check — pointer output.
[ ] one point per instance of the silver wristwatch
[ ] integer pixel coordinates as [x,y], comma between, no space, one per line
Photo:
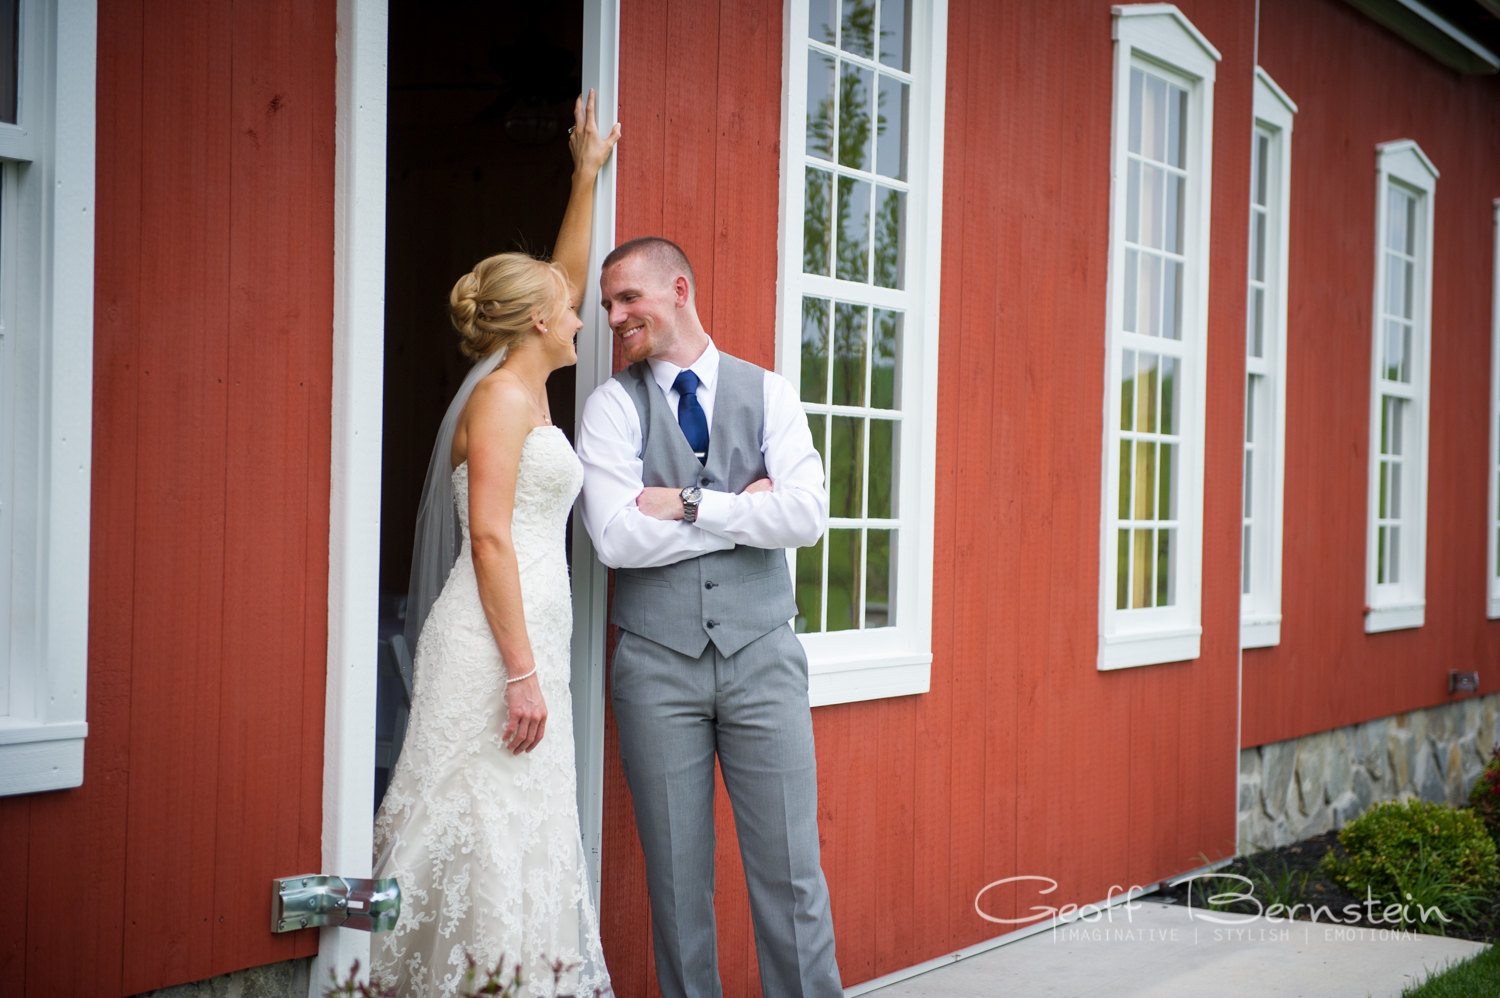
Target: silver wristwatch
[690,497]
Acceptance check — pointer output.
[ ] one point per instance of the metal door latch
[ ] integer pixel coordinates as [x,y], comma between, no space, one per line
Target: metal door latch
[316,899]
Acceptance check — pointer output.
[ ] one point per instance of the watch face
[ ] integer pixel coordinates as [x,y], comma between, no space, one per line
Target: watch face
[692,494]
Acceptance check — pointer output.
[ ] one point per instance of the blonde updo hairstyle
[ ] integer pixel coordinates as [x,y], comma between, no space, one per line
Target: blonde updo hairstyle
[494,305]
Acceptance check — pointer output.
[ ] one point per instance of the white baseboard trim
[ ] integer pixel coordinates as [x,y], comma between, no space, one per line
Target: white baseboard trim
[898,976]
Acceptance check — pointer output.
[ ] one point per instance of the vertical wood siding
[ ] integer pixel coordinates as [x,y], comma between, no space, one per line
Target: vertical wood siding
[1023,759]
[1373,87]
[208,613]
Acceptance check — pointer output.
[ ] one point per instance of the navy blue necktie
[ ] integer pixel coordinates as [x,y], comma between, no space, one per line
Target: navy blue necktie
[690,414]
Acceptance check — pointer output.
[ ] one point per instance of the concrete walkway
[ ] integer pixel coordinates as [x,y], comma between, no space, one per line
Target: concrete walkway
[1165,951]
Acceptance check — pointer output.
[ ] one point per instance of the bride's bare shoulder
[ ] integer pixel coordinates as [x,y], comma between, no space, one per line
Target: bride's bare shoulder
[498,413]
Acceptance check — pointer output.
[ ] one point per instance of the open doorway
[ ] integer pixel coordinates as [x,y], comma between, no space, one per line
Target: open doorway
[480,100]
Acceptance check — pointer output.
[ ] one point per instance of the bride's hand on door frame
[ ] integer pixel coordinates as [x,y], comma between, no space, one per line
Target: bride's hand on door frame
[528,716]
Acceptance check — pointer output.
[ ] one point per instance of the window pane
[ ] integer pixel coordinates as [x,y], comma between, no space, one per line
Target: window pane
[1249,506]
[890,129]
[849,354]
[854,230]
[1257,322]
[895,33]
[820,105]
[846,469]
[1133,202]
[1140,568]
[1259,162]
[1122,570]
[1170,369]
[885,365]
[1176,195]
[1395,286]
[817,423]
[809,589]
[856,88]
[1137,84]
[1250,387]
[1395,490]
[1145,480]
[859,27]
[1411,226]
[1166,490]
[10,60]
[1396,220]
[1245,561]
[1127,477]
[890,223]
[1150,295]
[1145,392]
[882,469]
[1166,568]
[820,20]
[817,223]
[1153,120]
[1171,300]
[880,577]
[815,350]
[1132,288]
[1177,127]
[1152,214]
[1395,554]
[1127,391]
[1258,244]
[843,579]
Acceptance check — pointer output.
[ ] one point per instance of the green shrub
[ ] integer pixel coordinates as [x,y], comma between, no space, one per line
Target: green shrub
[1396,844]
[1484,799]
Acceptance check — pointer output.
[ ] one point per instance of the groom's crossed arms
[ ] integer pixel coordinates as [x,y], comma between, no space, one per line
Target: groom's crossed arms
[638,527]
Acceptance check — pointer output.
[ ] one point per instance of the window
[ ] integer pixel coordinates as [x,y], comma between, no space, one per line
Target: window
[1494,514]
[1397,539]
[46,380]
[1265,366]
[861,206]
[1158,273]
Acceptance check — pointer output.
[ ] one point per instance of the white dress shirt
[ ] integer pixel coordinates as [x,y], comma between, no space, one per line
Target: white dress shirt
[609,445]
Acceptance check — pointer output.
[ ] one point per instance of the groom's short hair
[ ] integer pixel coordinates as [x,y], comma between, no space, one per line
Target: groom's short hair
[663,254]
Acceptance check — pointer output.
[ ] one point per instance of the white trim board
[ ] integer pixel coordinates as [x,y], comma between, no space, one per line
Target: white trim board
[48,397]
[601,71]
[354,486]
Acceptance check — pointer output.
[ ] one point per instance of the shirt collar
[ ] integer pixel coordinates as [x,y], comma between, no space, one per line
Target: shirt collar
[706,367]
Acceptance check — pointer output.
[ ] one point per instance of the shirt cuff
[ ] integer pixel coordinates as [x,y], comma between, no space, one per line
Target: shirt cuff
[714,511]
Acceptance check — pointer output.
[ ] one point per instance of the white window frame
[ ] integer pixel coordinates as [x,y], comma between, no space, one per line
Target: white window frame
[1161,40]
[47,231]
[1260,609]
[1402,605]
[1492,517]
[845,666]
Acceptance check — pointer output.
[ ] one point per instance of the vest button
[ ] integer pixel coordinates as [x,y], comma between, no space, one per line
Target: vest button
[709,585]
[713,623]
[705,481]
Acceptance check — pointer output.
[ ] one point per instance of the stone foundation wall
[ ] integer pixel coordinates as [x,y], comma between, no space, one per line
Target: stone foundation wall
[287,979]
[1302,787]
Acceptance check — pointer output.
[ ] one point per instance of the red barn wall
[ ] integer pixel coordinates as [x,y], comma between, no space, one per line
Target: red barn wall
[1023,758]
[1357,84]
[208,602]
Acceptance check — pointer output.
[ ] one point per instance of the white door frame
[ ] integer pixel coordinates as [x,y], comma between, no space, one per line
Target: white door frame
[354,488]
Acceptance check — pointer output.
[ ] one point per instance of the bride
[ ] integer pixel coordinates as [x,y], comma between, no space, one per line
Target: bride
[480,823]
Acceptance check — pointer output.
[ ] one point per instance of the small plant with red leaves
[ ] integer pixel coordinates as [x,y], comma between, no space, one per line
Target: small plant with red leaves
[1485,797]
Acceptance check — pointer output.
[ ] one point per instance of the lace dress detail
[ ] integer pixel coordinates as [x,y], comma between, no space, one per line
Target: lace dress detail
[484,843]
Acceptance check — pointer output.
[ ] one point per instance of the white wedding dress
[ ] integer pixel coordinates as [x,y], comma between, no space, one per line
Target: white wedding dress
[485,843]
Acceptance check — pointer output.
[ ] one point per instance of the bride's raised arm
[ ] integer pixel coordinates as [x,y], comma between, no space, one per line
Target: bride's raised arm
[590,152]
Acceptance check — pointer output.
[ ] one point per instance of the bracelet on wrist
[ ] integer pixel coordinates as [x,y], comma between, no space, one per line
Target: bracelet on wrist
[519,678]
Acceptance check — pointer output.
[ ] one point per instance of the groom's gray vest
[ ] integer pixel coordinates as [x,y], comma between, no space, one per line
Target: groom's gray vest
[727,597]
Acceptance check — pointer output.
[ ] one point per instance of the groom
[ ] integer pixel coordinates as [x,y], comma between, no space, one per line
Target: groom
[699,470]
